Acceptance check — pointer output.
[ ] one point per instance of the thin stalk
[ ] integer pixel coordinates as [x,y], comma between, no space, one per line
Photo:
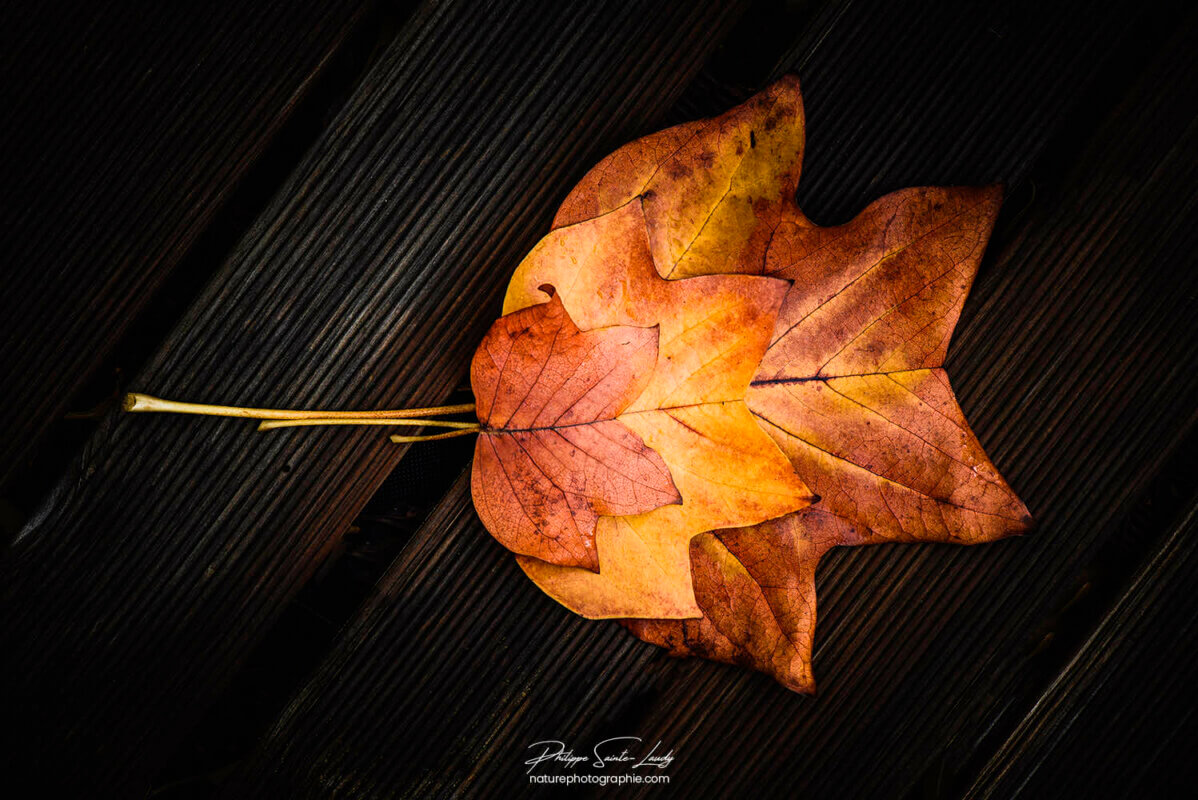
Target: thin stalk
[434,437]
[147,403]
[271,424]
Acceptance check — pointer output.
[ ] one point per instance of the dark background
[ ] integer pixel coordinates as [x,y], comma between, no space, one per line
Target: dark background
[318,204]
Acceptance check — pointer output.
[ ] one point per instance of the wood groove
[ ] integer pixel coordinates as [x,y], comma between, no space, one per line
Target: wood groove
[344,292]
[146,580]
[144,175]
[900,624]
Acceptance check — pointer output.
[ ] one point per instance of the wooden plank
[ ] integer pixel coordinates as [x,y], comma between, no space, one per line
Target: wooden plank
[281,663]
[126,131]
[1126,694]
[1068,362]
[1071,368]
[133,595]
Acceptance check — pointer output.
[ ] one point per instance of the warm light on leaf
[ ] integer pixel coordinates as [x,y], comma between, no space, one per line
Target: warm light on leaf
[892,454]
[644,566]
[713,331]
[713,189]
[552,457]
[847,383]
[695,392]
[883,292]
[756,587]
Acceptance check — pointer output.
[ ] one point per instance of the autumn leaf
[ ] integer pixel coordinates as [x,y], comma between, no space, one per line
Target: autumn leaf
[713,331]
[551,456]
[726,472]
[851,386]
[756,587]
[714,190]
[695,392]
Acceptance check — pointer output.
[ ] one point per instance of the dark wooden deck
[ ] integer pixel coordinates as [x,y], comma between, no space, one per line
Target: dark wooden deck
[318,204]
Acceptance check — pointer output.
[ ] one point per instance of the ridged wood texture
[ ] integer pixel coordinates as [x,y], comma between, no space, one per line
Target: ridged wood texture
[124,134]
[1076,365]
[1128,691]
[134,593]
[165,555]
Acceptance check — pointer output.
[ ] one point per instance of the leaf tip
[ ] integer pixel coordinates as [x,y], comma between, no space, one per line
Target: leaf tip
[789,81]
[806,687]
[800,679]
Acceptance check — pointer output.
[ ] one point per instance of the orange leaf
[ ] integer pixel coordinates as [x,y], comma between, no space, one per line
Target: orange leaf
[848,384]
[728,473]
[713,189]
[551,456]
[756,587]
[851,386]
[684,355]
[881,293]
[713,331]
[892,454]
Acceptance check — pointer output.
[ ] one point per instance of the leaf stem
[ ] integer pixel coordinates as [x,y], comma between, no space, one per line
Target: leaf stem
[287,418]
[147,403]
[398,439]
[271,424]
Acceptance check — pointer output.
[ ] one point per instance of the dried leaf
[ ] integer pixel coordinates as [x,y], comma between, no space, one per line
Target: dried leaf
[849,383]
[756,587]
[892,453]
[714,190]
[684,355]
[552,457]
[881,293]
[713,331]
[725,470]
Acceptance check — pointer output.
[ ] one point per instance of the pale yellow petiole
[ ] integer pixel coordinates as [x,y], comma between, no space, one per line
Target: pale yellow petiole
[398,439]
[286,418]
[271,424]
[147,403]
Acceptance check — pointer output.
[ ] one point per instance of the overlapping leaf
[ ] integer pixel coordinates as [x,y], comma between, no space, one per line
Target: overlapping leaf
[756,587]
[714,190]
[848,383]
[552,457]
[713,331]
